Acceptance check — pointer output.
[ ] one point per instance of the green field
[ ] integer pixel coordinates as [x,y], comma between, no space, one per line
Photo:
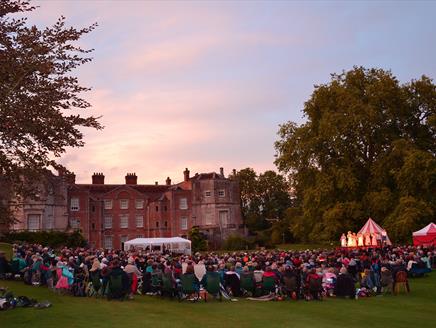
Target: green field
[410,310]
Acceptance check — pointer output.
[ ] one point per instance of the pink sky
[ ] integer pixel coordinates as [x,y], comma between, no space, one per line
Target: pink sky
[206,84]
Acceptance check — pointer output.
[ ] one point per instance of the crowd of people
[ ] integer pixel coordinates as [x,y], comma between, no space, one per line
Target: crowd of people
[309,274]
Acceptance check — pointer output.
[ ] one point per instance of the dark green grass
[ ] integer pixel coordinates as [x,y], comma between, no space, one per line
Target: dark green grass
[415,309]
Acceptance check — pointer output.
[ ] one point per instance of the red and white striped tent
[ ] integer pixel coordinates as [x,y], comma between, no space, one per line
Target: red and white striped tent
[426,236]
[372,227]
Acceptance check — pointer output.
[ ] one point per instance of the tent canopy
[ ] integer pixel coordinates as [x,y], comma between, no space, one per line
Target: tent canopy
[430,228]
[426,236]
[173,244]
[371,227]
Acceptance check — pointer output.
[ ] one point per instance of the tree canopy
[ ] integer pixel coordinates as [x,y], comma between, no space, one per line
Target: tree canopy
[40,98]
[367,149]
[264,199]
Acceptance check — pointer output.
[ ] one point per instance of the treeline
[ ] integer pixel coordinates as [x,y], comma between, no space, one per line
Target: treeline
[52,238]
[367,149]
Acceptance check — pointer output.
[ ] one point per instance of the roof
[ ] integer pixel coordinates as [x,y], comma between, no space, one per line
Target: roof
[371,227]
[104,188]
[428,229]
[156,241]
[207,176]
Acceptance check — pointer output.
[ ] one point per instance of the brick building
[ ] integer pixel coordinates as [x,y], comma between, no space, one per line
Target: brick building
[110,214]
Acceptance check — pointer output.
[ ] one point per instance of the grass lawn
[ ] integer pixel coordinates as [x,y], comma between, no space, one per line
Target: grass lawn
[303,247]
[148,311]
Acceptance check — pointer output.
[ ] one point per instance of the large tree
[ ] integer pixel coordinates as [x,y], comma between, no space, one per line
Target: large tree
[367,149]
[265,197]
[41,107]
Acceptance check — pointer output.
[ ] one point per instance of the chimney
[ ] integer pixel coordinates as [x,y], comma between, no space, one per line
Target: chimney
[168,181]
[186,174]
[98,178]
[222,172]
[156,183]
[234,172]
[131,179]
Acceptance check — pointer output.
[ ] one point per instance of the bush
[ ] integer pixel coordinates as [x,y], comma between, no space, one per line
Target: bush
[235,242]
[47,238]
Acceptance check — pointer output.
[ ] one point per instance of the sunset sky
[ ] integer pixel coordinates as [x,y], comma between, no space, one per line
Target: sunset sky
[206,84]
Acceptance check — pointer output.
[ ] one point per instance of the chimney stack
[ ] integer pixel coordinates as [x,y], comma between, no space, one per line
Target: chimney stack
[234,172]
[156,183]
[168,181]
[186,174]
[98,178]
[222,172]
[131,179]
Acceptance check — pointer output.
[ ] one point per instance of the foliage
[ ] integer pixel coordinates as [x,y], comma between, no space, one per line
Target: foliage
[264,199]
[51,238]
[235,242]
[40,98]
[198,240]
[367,149]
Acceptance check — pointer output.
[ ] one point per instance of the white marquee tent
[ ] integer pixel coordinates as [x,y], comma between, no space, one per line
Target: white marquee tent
[173,244]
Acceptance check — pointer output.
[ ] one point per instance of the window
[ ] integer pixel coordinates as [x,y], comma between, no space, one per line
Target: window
[157,208]
[139,204]
[93,226]
[75,223]
[224,217]
[108,204]
[124,204]
[108,222]
[165,208]
[157,224]
[124,221]
[139,221]
[74,205]
[221,193]
[49,223]
[207,193]
[184,223]
[108,242]
[166,224]
[93,208]
[33,222]
[183,203]
[139,236]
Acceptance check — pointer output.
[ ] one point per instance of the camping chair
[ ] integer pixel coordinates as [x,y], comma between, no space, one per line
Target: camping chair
[156,283]
[247,283]
[401,282]
[187,287]
[115,289]
[268,285]
[213,285]
[94,285]
[167,286]
[290,286]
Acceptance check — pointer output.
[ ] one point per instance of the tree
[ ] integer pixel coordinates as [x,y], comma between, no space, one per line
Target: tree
[368,142]
[198,241]
[264,200]
[40,98]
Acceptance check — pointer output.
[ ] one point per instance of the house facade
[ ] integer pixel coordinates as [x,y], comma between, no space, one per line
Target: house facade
[110,214]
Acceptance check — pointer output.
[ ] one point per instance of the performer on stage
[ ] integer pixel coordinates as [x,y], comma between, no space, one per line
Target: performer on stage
[374,240]
[367,239]
[343,240]
[360,240]
[349,237]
